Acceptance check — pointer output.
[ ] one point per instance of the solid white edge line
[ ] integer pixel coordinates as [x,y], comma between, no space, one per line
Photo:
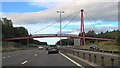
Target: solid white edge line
[24,62]
[72,60]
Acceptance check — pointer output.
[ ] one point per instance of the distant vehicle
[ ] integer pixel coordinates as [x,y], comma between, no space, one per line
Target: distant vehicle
[94,48]
[69,46]
[46,47]
[40,48]
[53,49]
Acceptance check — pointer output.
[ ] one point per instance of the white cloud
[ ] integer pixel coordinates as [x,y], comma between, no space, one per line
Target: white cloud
[98,29]
[49,40]
[107,25]
[0,14]
[43,4]
[106,11]
[59,0]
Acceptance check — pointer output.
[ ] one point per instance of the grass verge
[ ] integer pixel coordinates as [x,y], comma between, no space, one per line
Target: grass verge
[103,45]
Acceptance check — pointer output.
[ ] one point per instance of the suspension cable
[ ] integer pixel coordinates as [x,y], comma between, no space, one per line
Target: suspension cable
[70,21]
[55,22]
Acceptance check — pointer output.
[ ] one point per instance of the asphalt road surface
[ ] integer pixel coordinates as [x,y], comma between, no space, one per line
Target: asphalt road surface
[35,57]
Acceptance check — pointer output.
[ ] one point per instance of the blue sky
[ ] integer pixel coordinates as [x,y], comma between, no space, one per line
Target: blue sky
[20,7]
[37,15]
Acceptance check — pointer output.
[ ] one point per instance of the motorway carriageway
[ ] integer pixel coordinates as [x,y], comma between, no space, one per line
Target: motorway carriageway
[35,57]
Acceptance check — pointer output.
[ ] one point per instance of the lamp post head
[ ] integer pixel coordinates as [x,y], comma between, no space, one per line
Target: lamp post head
[60,11]
[82,10]
[57,11]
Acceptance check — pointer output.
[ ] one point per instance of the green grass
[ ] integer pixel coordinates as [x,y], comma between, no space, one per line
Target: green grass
[13,48]
[8,49]
[82,47]
[102,45]
[108,46]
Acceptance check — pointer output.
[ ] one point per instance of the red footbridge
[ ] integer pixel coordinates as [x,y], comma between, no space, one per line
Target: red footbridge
[58,35]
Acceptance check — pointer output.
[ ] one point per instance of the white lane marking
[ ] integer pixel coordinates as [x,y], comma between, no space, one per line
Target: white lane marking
[4,57]
[24,62]
[72,60]
[35,54]
[8,56]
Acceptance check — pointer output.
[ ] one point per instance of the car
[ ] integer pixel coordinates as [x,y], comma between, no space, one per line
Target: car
[69,46]
[53,49]
[94,48]
[40,48]
[46,47]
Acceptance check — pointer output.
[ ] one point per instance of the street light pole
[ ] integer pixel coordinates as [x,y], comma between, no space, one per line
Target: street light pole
[28,42]
[28,39]
[60,24]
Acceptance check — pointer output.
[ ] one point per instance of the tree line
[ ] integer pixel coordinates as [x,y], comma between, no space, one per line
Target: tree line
[66,42]
[115,34]
[9,31]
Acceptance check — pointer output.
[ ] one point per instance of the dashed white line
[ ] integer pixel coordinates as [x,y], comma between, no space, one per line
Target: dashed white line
[72,61]
[35,54]
[24,62]
[8,56]
[4,57]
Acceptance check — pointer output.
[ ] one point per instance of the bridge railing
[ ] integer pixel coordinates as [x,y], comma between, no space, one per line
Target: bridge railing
[100,59]
[101,50]
[54,35]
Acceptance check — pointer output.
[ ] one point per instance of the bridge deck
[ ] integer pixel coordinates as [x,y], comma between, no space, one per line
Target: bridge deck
[58,35]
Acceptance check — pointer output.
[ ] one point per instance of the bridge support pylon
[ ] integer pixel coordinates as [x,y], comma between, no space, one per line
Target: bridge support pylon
[82,33]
